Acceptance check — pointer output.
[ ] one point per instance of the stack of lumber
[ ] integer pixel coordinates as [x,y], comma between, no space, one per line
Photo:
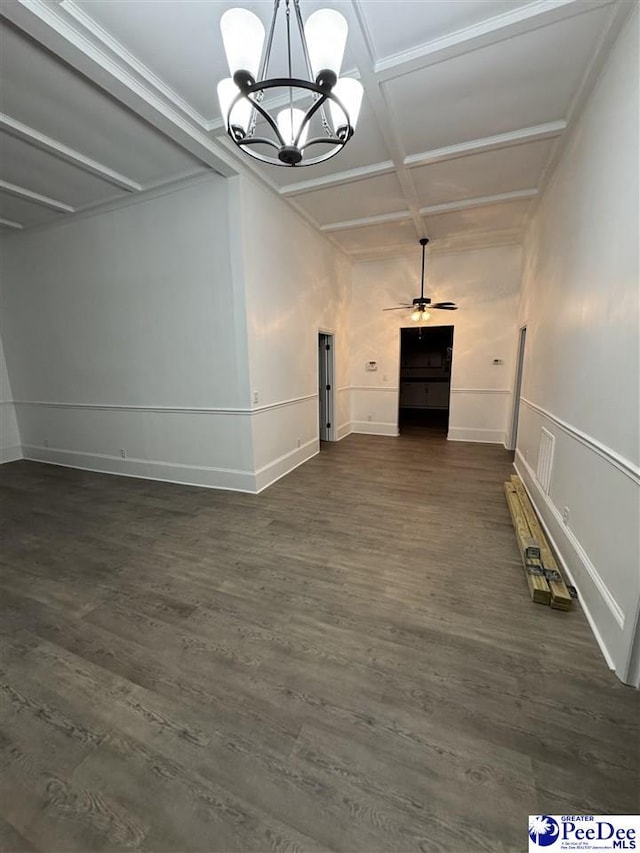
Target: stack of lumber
[545,582]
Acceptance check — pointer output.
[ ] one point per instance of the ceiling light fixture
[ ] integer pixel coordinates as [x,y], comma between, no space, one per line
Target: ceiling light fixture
[422,306]
[302,125]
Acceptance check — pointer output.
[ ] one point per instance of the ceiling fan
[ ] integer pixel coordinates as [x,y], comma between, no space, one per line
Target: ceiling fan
[422,305]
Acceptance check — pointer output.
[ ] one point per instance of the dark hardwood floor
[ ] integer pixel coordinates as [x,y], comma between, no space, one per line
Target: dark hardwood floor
[349,661]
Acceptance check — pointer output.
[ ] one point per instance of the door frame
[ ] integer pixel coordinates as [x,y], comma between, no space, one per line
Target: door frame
[512,438]
[333,429]
[425,328]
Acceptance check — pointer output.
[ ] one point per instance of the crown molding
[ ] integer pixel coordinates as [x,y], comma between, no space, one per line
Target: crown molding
[50,25]
[549,130]
[481,201]
[29,195]
[63,152]
[9,223]
[500,27]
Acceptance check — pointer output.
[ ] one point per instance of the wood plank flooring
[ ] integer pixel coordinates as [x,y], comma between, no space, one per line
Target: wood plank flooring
[349,661]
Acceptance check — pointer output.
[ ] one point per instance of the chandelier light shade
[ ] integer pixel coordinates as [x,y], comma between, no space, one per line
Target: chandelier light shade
[326,35]
[287,120]
[243,39]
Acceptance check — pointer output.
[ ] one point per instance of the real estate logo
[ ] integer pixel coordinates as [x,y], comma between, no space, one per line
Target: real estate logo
[583,832]
[543,830]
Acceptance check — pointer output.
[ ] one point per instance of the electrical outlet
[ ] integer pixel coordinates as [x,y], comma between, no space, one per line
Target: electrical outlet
[565,515]
[46,442]
[299,443]
[368,417]
[256,397]
[123,453]
[385,377]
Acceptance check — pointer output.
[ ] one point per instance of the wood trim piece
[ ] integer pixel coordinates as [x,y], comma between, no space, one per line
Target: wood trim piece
[63,152]
[625,466]
[36,198]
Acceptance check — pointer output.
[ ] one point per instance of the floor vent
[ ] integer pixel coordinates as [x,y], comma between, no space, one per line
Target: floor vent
[545,459]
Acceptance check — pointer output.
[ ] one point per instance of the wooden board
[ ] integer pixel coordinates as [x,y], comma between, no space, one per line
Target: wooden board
[560,597]
[538,586]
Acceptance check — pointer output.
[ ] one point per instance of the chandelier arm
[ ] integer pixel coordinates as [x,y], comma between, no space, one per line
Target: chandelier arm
[267,54]
[309,115]
[260,140]
[303,38]
[324,140]
[265,115]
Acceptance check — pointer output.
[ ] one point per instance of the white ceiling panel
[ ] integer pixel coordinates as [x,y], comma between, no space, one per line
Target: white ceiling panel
[404,24]
[370,197]
[29,167]
[492,172]
[517,83]
[46,94]
[377,238]
[26,213]
[493,217]
[164,58]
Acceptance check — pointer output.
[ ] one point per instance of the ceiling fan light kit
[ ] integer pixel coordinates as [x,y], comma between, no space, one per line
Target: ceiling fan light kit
[317,113]
[422,306]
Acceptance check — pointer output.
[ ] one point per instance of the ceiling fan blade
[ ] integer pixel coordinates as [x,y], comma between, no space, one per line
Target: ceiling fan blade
[398,308]
[445,306]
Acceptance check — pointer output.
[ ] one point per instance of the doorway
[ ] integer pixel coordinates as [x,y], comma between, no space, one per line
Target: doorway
[426,355]
[517,388]
[325,386]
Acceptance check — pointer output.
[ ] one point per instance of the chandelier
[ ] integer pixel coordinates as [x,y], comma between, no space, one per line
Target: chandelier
[316,114]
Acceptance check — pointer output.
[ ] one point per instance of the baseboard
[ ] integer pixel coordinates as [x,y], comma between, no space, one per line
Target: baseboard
[145,469]
[569,551]
[374,428]
[269,474]
[11,454]
[343,431]
[480,436]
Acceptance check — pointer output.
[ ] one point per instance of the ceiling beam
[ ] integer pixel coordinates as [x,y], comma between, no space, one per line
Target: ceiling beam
[364,221]
[481,201]
[29,195]
[49,25]
[433,210]
[489,143]
[512,23]
[468,242]
[436,155]
[362,50]
[63,152]
[338,178]
[9,223]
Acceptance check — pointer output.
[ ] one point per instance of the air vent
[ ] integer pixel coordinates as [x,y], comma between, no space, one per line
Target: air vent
[545,459]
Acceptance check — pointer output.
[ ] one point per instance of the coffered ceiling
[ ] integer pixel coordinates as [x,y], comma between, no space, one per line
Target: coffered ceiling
[465,107]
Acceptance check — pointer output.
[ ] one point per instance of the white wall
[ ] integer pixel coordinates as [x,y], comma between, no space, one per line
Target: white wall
[581,380]
[296,284]
[10,444]
[122,332]
[485,284]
